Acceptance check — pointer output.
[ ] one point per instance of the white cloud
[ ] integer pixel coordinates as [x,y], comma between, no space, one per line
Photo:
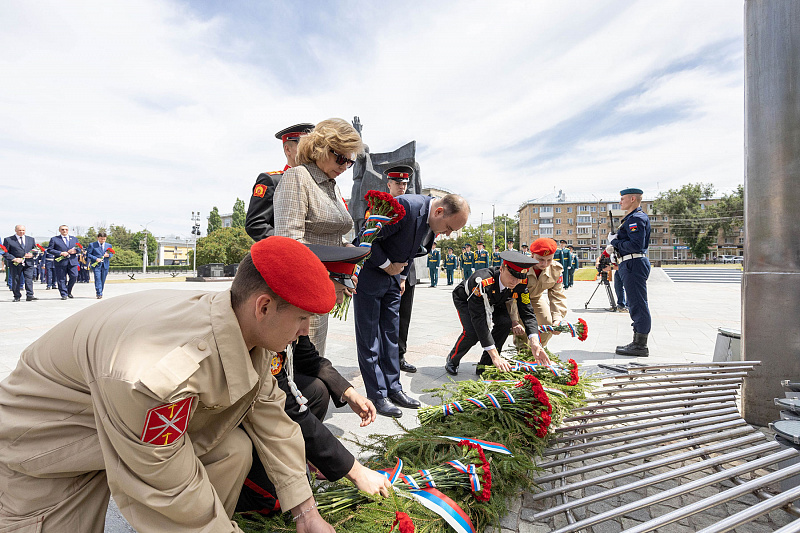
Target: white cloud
[129,112]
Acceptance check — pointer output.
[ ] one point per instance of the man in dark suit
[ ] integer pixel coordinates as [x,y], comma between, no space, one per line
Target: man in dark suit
[64,246]
[21,262]
[381,283]
[98,258]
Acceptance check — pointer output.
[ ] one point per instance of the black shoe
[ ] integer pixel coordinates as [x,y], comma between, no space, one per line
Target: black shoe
[31,298]
[403,400]
[69,296]
[99,296]
[387,408]
[451,367]
[16,299]
[407,367]
[638,348]
[47,289]
[63,297]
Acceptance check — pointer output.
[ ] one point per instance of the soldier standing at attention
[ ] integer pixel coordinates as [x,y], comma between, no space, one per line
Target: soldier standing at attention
[481,257]
[631,242]
[496,260]
[524,250]
[434,258]
[450,264]
[573,265]
[468,260]
[260,221]
[510,245]
[564,257]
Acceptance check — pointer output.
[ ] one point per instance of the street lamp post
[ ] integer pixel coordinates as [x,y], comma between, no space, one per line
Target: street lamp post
[196,234]
[597,223]
[143,246]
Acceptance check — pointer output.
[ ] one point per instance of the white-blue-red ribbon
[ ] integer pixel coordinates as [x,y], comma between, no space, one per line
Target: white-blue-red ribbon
[394,473]
[485,444]
[378,218]
[427,479]
[471,471]
[442,505]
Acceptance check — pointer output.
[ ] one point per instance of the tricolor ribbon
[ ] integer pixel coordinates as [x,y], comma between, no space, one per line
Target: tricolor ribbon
[427,479]
[442,505]
[471,471]
[451,408]
[485,444]
[477,402]
[394,473]
[378,219]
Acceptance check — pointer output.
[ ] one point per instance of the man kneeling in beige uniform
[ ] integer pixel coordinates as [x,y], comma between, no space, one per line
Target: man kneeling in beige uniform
[141,397]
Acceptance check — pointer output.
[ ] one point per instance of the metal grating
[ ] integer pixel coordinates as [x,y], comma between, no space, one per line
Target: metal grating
[663,447]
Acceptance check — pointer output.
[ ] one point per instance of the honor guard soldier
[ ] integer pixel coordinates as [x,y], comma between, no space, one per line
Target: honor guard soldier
[631,242]
[49,268]
[310,382]
[546,289]
[260,221]
[496,260]
[510,245]
[481,256]
[157,399]
[434,259]
[397,178]
[450,265]
[573,265]
[481,305]
[468,260]
[524,250]
[564,257]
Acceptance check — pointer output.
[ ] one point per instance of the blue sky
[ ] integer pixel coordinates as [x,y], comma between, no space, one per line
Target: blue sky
[129,112]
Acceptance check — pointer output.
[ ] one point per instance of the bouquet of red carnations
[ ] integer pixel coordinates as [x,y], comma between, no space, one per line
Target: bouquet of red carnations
[60,257]
[110,251]
[382,210]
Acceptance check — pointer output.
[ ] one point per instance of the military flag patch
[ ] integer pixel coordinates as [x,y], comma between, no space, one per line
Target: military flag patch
[633,227]
[260,190]
[167,423]
[560,279]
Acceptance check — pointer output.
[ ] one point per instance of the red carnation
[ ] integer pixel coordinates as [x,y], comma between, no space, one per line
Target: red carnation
[79,245]
[110,251]
[573,373]
[486,478]
[39,246]
[584,331]
[404,521]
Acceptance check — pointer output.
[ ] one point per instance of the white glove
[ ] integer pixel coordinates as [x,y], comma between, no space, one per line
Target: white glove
[611,237]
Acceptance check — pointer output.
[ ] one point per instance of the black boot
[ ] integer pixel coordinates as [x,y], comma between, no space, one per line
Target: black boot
[405,366]
[638,348]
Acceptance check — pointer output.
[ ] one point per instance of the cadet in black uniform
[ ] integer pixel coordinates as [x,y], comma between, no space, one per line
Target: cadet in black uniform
[481,256]
[260,221]
[486,293]
[323,449]
[631,242]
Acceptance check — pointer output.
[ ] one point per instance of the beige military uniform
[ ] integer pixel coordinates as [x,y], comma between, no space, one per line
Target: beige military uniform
[549,308]
[100,402]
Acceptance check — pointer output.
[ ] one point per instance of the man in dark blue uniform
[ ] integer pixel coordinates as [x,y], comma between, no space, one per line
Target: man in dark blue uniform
[450,264]
[434,258]
[468,260]
[481,256]
[496,260]
[631,242]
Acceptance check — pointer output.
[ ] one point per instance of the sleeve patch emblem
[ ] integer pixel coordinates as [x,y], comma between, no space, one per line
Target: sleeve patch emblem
[260,190]
[633,227]
[526,298]
[560,279]
[167,423]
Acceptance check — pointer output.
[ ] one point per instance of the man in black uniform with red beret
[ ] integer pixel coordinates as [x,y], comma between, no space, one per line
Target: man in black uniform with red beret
[303,369]
[481,299]
[260,221]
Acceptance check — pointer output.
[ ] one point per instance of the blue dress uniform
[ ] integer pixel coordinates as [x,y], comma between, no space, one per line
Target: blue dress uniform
[496,261]
[468,262]
[564,257]
[631,243]
[434,258]
[573,266]
[481,258]
[450,264]
[49,268]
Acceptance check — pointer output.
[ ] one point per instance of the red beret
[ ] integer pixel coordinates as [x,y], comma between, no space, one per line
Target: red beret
[544,247]
[294,273]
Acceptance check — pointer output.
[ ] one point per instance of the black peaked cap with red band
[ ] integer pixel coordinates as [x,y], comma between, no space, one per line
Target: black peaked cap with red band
[294,273]
[517,263]
[339,259]
[401,173]
[293,133]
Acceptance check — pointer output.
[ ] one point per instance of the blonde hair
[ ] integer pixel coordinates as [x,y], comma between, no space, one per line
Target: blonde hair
[332,134]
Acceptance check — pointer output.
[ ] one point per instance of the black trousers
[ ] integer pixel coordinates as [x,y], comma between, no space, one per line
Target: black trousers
[19,275]
[469,337]
[406,303]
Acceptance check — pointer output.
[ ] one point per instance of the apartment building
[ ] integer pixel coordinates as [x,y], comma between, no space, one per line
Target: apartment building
[585,223]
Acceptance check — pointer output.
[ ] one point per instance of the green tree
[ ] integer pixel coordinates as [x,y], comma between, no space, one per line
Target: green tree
[152,246]
[214,221]
[472,234]
[121,238]
[239,214]
[225,245]
[688,218]
[729,212]
[125,258]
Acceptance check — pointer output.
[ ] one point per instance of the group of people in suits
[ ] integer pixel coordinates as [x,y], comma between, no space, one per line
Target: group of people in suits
[61,263]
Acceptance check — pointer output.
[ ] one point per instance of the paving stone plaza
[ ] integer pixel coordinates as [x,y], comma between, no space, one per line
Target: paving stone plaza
[686,318]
